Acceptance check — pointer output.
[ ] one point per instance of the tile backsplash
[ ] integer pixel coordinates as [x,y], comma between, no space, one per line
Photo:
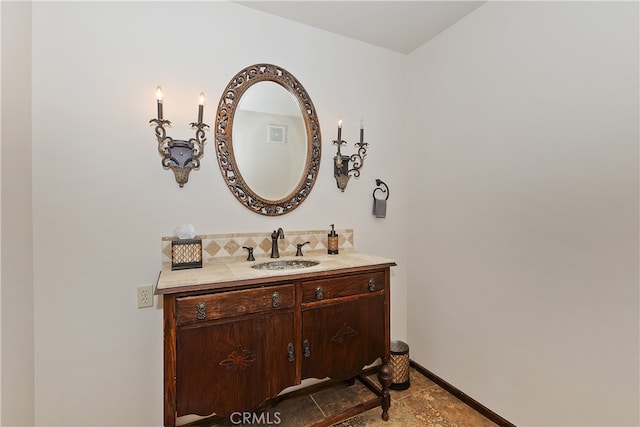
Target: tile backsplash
[230,245]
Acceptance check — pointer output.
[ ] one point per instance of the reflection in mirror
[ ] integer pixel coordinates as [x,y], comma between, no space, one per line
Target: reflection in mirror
[268,139]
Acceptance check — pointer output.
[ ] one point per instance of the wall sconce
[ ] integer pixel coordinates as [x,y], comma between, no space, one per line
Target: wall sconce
[341,167]
[178,155]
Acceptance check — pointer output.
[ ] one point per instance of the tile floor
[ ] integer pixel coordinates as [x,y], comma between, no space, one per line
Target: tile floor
[423,404]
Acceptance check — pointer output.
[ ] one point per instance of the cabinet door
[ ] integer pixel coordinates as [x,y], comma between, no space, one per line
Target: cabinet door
[341,336]
[233,366]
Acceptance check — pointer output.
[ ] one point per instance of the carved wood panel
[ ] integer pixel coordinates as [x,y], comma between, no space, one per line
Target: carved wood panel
[233,366]
[344,337]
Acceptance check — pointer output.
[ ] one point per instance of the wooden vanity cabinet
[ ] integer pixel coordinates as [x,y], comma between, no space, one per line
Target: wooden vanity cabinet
[227,345]
[342,320]
[231,349]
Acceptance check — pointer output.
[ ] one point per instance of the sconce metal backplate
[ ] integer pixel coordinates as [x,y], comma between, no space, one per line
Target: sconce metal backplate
[178,155]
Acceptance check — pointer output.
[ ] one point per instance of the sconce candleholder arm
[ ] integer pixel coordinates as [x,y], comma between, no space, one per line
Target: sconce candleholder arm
[357,159]
[164,141]
[197,143]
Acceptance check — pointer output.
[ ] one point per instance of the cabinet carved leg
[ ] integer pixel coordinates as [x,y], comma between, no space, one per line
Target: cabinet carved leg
[385,375]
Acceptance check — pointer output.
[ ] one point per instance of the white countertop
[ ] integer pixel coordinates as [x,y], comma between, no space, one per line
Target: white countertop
[238,269]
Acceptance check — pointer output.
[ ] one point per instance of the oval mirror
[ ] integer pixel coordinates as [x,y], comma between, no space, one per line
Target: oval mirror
[268,139]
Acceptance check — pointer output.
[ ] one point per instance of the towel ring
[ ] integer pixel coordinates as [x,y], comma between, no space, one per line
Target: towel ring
[379,182]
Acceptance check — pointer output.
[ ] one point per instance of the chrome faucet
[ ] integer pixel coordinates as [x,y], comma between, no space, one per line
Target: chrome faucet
[274,242]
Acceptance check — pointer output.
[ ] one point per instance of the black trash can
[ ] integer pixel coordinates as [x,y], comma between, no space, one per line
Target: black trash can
[399,362]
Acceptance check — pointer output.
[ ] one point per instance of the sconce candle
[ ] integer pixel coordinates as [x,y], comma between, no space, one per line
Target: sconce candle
[361,132]
[340,130]
[201,107]
[160,97]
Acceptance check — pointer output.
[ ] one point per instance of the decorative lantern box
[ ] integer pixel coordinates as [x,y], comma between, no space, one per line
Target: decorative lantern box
[186,253]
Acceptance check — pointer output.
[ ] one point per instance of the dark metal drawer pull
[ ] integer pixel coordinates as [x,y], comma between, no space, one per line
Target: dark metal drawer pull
[305,347]
[275,300]
[290,352]
[372,285]
[201,311]
[319,294]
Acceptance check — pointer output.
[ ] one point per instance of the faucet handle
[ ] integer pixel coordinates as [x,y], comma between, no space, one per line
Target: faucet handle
[250,256]
[299,248]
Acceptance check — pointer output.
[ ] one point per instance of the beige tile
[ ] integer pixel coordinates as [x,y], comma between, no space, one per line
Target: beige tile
[342,397]
[296,412]
[230,244]
[399,416]
[441,408]
[212,248]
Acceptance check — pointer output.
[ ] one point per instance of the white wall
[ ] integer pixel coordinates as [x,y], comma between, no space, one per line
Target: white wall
[524,246]
[101,200]
[1,72]
[16,310]
[522,174]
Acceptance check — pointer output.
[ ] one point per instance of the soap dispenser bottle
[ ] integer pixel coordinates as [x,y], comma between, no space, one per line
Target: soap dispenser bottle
[332,242]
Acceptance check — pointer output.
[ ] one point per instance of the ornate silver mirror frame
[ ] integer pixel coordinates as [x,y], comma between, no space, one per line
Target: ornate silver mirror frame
[224,139]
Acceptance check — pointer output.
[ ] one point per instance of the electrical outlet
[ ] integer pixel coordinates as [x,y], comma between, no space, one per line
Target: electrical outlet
[145,296]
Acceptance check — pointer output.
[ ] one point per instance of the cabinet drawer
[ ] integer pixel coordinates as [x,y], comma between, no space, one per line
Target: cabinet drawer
[320,290]
[233,303]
